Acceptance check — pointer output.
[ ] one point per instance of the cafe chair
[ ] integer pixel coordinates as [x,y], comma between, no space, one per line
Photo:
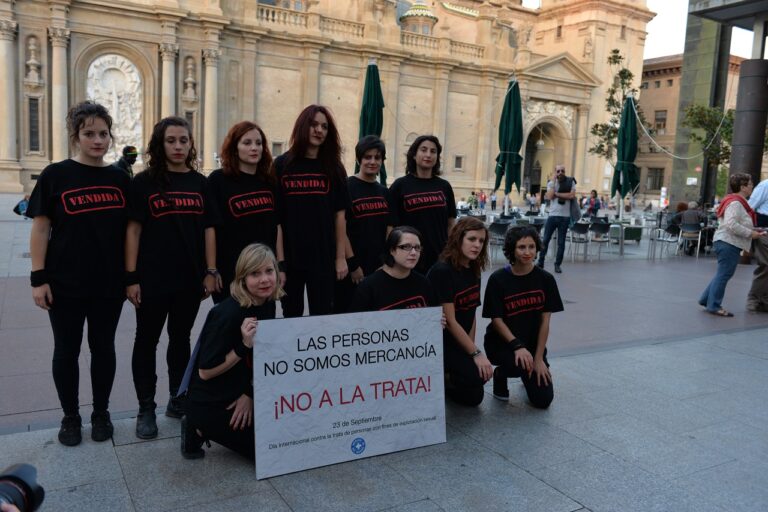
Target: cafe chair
[578,234]
[690,233]
[599,235]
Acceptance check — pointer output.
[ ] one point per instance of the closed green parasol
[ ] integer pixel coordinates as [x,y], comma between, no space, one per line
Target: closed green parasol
[625,178]
[510,140]
[372,111]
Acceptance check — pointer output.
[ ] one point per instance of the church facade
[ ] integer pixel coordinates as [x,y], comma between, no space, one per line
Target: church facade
[445,68]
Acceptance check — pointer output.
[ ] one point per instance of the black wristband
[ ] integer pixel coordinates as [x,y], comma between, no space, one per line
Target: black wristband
[38,278]
[515,344]
[281,266]
[249,392]
[352,264]
[131,278]
[241,350]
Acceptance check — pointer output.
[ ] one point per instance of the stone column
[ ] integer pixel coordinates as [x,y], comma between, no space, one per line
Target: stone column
[485,163]
[210,109]
[8,91]
[390,77]
[580,171]
[311,93]
[168,52]
[440,103]
[59,94]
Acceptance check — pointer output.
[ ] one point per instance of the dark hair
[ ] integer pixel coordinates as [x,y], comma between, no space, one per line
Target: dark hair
[157,164]
[410,156]
[738,180]
[230,158]
[393,240]
[452,252]
[329,153]
[130,150]
[368,143]
[80,113]
[593,191]
[514,235]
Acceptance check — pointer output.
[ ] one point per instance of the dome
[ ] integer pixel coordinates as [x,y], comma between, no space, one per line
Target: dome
[419,9]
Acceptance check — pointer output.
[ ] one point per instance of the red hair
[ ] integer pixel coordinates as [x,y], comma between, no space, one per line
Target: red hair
[329,153]
[230,160]
[452,252]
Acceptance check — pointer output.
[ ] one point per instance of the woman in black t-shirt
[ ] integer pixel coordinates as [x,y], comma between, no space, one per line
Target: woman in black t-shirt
[456,281]
[394,285]
[243,192]
[76,245]
[220,398]
[519,300]
[169,244]
[424,200]
[312,198]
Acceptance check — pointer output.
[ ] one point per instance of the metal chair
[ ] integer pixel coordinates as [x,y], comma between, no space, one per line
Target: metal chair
[497,231]
[579,235]
[599,232]
[689,233]
[666,238]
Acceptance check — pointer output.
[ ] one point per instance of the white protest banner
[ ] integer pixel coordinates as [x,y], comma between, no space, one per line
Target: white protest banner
[334,388]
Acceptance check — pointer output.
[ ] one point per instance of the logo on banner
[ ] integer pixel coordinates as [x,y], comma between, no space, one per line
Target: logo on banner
[417,301]
[424,200]
[91,199]
[522,302]
[176,202]
[369,206]
[358,446]
[251,203]
[304,184]
[468,299]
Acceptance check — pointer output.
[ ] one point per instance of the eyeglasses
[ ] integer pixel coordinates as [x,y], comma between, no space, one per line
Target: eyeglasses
[409,248]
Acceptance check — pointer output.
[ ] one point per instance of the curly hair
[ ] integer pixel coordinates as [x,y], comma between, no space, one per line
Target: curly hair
[514,235]
[738,180]
[157,163]
[80,113]
[452,252]
[229,153]
[410,156]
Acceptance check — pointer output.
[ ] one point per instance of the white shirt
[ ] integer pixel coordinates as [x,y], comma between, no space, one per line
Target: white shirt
[759,198]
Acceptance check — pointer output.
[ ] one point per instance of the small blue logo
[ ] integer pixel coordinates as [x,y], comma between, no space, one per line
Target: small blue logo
[358,446]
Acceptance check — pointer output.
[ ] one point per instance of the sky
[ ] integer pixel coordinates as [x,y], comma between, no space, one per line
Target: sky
[666,32]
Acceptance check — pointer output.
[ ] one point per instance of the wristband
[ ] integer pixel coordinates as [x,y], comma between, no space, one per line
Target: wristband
[352,263]
[476,353]
[211,272]
[38,278]
[515,344]
[131,278]
[241,350]
[281,266]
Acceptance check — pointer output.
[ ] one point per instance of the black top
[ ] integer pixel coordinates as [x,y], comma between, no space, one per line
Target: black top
[368,216]
[172,244]
[88,212]
[427,205]
[519,301]
[458,287]
[380,291]
[247,209]
[124,166]
[308,198]
[219,336]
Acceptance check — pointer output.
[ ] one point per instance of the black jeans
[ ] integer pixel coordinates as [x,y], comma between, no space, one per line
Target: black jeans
[500,354]
[561,225]
[68,315]
[213,421]
[180,309]
[465,385]
[320,287]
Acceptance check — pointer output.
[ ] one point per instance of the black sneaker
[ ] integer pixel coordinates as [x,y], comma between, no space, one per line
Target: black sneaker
[70,433]
[500,389]
[146,421]
[176,407]
[191,442]
[558,270]
[101,426]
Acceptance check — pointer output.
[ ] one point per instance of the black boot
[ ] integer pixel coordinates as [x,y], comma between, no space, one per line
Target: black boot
[146,421]
[71,433]
[191,442]
[176,407]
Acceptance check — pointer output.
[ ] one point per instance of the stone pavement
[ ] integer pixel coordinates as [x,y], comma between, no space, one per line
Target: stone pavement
[657,407]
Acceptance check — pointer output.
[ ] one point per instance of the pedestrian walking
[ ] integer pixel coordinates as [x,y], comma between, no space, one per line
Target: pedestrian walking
[757,298]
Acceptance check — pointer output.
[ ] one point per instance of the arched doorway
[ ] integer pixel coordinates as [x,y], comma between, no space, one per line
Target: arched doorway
[545,146]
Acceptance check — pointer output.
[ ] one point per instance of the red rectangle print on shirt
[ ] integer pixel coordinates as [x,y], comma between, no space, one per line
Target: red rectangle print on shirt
[410,303]
[532,300]
[303,184]
[91,199]
[251,203]
[424,200]
[176,202]
[467,299]
[369,207]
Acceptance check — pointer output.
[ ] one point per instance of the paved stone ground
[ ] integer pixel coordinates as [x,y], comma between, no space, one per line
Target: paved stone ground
[657,408]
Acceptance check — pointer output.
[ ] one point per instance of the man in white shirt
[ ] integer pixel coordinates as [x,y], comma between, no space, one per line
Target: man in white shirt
[757,298]
[560,191]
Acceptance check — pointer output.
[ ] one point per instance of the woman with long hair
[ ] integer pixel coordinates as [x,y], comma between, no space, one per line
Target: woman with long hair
[424,200]
[520,299]
[76,244]
[311,187]
[170,262]
[243,191]
[456,281]
[220,397]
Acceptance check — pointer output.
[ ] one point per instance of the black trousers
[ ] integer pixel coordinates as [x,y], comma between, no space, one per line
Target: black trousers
[320,287]
[343,292]
[180,309]
[501,354]
[213,421]
[68,315]
[465,385]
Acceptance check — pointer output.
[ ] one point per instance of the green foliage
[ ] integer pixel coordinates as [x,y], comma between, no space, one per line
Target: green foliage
[707,120]
[721,185]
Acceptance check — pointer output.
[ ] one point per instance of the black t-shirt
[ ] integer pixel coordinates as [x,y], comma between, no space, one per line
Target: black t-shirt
[173,223]
[247,209]
[427,205]
[519,301]
[88,211]
[458,287]
[308,199]
[380,292]
[368,216]
[219,336]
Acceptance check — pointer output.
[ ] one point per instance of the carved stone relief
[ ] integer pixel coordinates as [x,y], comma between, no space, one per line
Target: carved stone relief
[32,78]
[535,109]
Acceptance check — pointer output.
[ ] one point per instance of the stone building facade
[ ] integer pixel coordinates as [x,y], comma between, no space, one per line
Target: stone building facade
[445,68]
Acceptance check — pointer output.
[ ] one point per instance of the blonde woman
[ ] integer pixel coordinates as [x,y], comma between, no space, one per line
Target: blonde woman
[220,399]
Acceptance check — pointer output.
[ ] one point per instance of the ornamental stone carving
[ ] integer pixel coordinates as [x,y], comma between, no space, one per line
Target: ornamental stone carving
[190,84]
[32,78]
[168,51]
[59,36]
[115,82]
[211,56]
[535,109]
[8,29]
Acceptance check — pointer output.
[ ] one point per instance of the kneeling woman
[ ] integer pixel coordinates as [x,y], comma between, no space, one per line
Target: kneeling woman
[456,281]
[220,400]
[394,285]
[519,300]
